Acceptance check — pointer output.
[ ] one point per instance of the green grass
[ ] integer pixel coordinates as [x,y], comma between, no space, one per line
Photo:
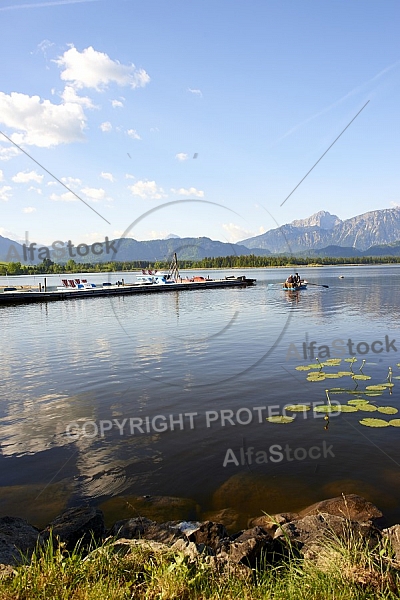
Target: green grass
[340,571]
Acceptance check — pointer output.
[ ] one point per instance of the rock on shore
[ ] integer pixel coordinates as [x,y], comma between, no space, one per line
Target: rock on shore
[269,537]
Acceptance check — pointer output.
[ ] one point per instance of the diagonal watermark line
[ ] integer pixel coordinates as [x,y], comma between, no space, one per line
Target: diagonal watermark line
[326,151]
[56,178]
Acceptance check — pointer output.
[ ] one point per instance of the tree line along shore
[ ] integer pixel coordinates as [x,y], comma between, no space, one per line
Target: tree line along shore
[48,267]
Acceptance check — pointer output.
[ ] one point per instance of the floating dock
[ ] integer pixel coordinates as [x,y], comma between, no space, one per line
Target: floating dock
[14,296]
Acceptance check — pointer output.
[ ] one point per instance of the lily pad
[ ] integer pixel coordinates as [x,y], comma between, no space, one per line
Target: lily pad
[280,419]
[387,410]
[376,388]
[372,394]
[297,407]
[358,401]
[375,422]
[345,408]
[332,362]
[345,373]
[361,377]
[388,385]
[332,376]
[350,360]
[395,422]
[316,378]
[315,366]
[326,408]
[303,368]
[366,407]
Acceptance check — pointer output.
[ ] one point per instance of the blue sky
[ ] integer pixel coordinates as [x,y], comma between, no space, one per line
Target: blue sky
[135,105]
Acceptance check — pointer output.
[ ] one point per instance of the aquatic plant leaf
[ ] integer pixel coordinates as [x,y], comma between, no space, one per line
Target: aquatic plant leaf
[332,376]
[394,422]
[316,378]
[303,368]
[397,377]
[338,391]
[361,377]
[374,422]
[351,360]
[358,401]
[372,394]
[367,407]
[346,408]
[326,408]
[315,373]
[315,366]
[297,407]
[376,387]
[280,419]
[332,362]
[387,410]
[388,385]
[345,373]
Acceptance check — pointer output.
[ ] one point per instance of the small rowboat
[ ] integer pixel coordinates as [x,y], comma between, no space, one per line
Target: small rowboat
[291,287]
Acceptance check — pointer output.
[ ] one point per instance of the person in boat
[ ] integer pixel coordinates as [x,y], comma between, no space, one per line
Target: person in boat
[297,279]
[289,283]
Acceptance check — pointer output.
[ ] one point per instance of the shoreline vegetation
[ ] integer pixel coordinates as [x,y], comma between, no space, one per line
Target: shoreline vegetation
[48,267]
[335,549]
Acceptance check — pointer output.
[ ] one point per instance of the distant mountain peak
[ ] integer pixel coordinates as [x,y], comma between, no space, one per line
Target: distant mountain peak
[172,236]
[322,219]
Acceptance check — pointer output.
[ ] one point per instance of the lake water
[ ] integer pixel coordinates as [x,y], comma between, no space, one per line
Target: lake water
[114,401]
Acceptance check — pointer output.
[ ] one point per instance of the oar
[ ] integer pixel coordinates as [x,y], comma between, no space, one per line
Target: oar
[317,284]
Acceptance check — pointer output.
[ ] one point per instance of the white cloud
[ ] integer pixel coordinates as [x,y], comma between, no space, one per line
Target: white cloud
[67,197]
[188,192]
[25,177]
[93,69]
[147,190]
[156,235]
[29,209]
[129,176]
[4,193]
[236,233]
[32,188]
[1,175]
[116,104]
[106,126]
[196,92]
[69,95]
[42,123]
[71,181]
[133,134]
[108,176]
[94,194]
[181,156]
[44,46]
[8,152]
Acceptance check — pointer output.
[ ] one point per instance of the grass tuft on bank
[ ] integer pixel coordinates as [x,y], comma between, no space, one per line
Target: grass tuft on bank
[127,569]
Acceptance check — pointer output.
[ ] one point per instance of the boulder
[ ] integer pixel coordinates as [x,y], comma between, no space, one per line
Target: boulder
[393,534]
[84,524]
[250,547]
[210,534]
[141,528]
[350,507]
[270,523]
[17,539]
[306,535]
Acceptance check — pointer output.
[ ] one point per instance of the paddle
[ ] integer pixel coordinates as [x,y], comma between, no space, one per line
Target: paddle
[317,284]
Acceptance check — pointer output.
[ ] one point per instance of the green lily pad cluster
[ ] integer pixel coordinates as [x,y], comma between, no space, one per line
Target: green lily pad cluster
[361,403]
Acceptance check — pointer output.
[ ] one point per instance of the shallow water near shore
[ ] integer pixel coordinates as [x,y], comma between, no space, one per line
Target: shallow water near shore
[168,395]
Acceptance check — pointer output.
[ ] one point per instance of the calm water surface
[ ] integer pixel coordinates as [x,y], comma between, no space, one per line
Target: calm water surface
[168,394]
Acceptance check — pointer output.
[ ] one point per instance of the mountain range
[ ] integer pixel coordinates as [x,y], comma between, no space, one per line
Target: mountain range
[323,229]
[375,233]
